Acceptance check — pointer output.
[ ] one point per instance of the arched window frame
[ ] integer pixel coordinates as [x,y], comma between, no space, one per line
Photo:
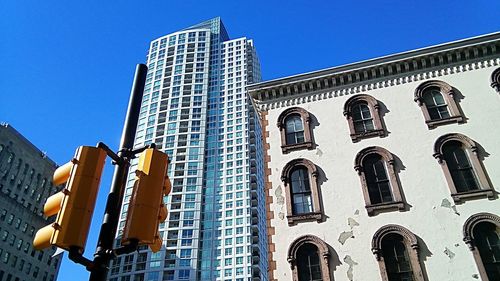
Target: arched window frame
[471,148]
[448,95]
[306,119]
[375,114]
[323,253]
[398,201]
[495,80]
[411,243]
[468,232]
[317,213]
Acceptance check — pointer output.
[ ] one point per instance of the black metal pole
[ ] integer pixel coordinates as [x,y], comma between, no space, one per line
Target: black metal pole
[104,250]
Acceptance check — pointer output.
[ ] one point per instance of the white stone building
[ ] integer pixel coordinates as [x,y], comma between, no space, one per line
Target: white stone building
[386,169]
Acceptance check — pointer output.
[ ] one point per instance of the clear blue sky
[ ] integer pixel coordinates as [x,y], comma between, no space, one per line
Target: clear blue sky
[66,66]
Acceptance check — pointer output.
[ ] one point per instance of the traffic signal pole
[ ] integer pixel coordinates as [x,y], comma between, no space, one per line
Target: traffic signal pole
[104,251]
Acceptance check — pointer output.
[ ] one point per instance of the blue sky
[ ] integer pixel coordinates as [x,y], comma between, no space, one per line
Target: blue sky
[66,67]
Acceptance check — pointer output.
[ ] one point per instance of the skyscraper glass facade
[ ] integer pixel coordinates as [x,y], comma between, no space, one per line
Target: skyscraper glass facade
[195,108]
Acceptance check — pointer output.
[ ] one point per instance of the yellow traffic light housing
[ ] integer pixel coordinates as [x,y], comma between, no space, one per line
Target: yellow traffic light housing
[75,204]
[146,209]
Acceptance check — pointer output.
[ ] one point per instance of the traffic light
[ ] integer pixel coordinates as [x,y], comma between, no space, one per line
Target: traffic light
[75,203]
[146,209]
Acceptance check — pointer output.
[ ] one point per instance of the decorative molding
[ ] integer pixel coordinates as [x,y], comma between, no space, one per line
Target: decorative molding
[495,80]
[412,247]
[294,219]
[408,236]
[298,162]
[306,124]
[485,189]
[398,202]
[468,232]
[373,106]
[266,101]
[438,145]
[317,213]
[472,221]
[358,160]
[323,253]
[444,87]
[448,95]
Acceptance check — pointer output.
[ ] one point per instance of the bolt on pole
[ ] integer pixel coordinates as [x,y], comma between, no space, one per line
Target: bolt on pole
[104,250]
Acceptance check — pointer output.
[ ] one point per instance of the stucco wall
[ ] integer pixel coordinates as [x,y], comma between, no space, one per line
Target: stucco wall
[422,179]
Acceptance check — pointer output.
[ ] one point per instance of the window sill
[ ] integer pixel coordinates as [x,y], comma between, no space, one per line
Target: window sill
[388,206]
[464,196]
[374,133]
[294,219]
[431,124]
[298,146]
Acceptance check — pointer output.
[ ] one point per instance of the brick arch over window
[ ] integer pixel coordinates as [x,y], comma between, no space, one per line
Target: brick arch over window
[410,242]
[453,146]
[366,163]
[305,140]
[438,104]
[322,251]
[309,173]
[469,238]
[363,124]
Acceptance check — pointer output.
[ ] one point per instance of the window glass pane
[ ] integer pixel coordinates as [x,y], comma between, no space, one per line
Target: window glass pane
[300,180]
[377,181]
[443,111]
[461,170]
[294,130]
[365,111]
[436,105]
[488,243]
[301,191]
[356,112]
[438,97]
[368,124]
[308,263]
[359,127]
[396,259]
[362,119]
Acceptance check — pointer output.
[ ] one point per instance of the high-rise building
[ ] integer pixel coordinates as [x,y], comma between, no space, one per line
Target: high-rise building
[25,184]
[195,108]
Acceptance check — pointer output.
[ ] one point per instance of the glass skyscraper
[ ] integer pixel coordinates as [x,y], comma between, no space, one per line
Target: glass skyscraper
[195,108]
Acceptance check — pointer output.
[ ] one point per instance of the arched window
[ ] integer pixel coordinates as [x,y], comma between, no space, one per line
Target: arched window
[302,194]
[495,80]
[295,129]
[381,189]
[396,250]
[461,170]
[435,104]
[462,167]
[309,259]
[482,235]
[309,267]
[363,117]
[301,191]
[438,104]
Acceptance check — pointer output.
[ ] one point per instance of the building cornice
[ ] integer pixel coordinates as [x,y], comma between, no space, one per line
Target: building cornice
[411,66]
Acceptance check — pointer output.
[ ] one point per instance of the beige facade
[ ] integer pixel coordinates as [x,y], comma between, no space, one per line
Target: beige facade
[425,210]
